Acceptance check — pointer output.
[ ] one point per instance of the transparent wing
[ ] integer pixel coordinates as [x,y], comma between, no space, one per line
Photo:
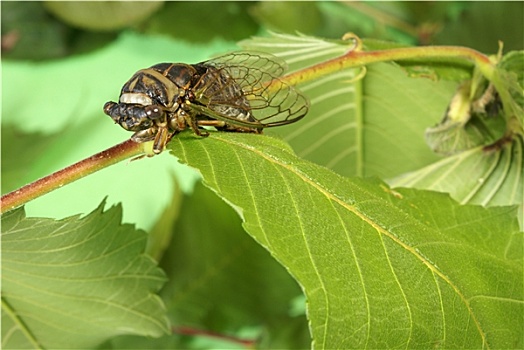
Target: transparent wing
[244,88]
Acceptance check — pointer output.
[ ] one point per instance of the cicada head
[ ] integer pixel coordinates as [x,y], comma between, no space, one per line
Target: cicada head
[133,117]
[143,101]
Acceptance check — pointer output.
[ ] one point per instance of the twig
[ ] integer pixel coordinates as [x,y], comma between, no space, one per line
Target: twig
[72,173]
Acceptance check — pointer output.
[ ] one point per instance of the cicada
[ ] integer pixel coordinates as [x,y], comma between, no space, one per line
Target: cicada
[240,92]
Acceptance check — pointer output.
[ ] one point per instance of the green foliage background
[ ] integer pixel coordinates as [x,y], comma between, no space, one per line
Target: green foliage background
[62,61]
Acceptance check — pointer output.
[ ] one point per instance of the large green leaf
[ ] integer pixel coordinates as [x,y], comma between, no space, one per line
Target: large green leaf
[76,282]
[380,268]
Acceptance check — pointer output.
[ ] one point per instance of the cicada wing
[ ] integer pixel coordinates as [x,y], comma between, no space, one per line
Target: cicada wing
[277,103]
[207,114]
[237,61]
[247,87]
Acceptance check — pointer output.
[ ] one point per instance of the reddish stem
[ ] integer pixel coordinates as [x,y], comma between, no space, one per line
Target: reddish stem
[72,173]
[357,58]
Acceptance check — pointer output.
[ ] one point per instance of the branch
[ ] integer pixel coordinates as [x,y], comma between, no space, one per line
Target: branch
[72,173]
[355,57]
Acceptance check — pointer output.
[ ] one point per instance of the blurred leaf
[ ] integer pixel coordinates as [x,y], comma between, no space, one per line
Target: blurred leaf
[483,23]
[28,32]
[512,74]
[203,21]
[370,19]
[160,235]
[75,282]
[20,151]
[420,12]
[380,268]
[84,41]
[103,15]
[289,16]
[513,62]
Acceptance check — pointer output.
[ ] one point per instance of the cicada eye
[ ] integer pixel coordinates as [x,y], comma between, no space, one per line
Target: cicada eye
[153,112]
[108,107]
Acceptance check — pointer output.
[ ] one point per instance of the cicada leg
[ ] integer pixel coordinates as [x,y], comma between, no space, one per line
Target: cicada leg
[221,125]
[144,135]
[161,139]
[214,123]
[192,122]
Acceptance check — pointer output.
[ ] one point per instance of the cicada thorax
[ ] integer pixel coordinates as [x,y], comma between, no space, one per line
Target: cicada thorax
[161,84]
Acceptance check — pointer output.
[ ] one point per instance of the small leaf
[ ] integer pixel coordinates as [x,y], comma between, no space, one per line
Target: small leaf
[490,176]
[380,268]
[468,121]
[73,283]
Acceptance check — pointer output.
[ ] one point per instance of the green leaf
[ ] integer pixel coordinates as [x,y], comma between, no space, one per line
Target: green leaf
[490,176]
[73,283]
[380,268]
